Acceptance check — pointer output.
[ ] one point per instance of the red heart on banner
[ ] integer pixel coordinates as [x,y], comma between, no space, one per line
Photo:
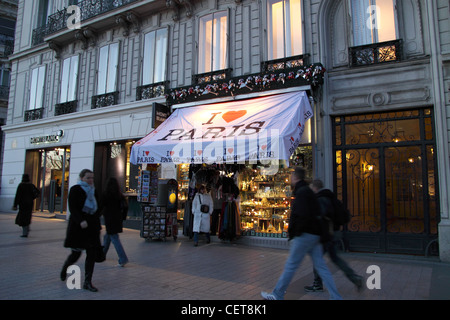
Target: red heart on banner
[233,115]
[264,147]
[230,150]
[199,152]
[147,152]
[172,152]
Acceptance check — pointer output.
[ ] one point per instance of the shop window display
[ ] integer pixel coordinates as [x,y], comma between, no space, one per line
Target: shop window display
[261,199]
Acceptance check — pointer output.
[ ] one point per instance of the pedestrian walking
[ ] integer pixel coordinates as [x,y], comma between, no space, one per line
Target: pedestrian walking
[327,200]
[25,195]
[83,229]
[202,208]
[114,210]
[304,234]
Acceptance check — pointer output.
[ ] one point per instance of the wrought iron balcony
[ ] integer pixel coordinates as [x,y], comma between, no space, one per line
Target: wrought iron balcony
[303,75]
[285,63]
[105,100]
[38,35]
[4,92]
[66,107]
[211,76]
[34,114]
[6,48]
[153,90]
[88,9]
[376,53]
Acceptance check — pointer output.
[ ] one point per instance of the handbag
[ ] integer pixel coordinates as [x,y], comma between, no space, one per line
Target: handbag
[204,208]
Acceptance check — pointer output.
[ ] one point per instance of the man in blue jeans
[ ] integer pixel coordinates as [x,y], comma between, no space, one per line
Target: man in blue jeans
[304,235]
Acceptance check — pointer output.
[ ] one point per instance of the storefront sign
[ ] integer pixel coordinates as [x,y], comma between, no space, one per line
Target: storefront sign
[160,114]
[260,129]
[51,138]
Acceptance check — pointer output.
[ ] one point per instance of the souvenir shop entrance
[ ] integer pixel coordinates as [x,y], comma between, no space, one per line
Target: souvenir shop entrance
[241,152]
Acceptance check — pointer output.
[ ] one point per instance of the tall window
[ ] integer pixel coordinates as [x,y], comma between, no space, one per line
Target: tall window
[69,78]
[107,68]
[285,32]
[155,56]
[213,46]
[37,88]
[373,21]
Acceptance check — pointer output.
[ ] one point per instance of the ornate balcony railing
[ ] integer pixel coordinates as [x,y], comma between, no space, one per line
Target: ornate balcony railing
[105,100]
[4,93]
[282,78]
[6,48]
[153,90]
[376,53]
[34,114]
[38,35]
[211,76]
[285,63]
[88,9]
[66,107]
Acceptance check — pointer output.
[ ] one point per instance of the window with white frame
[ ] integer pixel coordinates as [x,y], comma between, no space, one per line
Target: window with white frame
[373,21]
[213,42]
[37,88]
[155,56]
[284,28]
[69,78]
[107,68]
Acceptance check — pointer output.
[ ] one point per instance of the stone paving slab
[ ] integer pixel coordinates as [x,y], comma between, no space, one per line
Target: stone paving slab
[176,270]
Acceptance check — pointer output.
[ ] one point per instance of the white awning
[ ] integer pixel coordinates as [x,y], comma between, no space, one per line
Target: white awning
[245,131]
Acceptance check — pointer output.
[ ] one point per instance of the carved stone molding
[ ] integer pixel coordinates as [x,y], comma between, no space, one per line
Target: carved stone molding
[56,48]
[86,36]
[128,21]
[175,5]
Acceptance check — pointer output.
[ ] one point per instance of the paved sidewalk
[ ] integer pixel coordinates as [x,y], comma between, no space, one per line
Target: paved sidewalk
[29,269]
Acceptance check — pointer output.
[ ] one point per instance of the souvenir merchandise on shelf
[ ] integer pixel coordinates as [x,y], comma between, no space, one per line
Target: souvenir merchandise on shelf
[265,202]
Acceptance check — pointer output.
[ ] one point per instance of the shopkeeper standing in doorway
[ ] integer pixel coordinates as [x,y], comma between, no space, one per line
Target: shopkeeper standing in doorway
[202,208]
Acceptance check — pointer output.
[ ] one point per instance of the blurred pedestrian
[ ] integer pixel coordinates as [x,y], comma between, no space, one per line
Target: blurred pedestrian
[83,229]
[326,199]
[115,209]
[202,208]
[25,195]
[304,235]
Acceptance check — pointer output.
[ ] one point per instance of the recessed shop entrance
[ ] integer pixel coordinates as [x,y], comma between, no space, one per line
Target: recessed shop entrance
[49,171]
[386,174]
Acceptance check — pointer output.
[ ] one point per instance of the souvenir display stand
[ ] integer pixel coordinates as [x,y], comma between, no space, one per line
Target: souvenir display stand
[159,206]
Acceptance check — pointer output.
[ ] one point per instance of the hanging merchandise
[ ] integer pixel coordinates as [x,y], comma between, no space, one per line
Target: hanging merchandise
[229,226]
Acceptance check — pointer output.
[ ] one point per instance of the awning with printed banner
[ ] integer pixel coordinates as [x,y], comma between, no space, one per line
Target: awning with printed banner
[243,131]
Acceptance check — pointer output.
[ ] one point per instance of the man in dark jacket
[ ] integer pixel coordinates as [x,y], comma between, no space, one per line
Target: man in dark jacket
[325,198]
[304,234]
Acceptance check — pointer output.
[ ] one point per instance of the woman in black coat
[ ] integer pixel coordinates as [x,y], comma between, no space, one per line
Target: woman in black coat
[114,211]
[83,229]
[25,195]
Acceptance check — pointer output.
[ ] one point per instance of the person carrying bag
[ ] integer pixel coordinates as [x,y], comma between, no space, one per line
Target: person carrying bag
[202,207]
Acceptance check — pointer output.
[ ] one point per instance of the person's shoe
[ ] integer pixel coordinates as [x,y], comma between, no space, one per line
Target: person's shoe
[24,236]
[195,244]
[208,241]
[90,287]
[268,296]
[314,288]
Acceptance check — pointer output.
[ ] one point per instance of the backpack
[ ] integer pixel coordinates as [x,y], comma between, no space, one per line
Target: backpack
[341,214]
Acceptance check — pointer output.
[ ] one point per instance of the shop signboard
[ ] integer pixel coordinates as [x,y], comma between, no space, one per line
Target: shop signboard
[245,131]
